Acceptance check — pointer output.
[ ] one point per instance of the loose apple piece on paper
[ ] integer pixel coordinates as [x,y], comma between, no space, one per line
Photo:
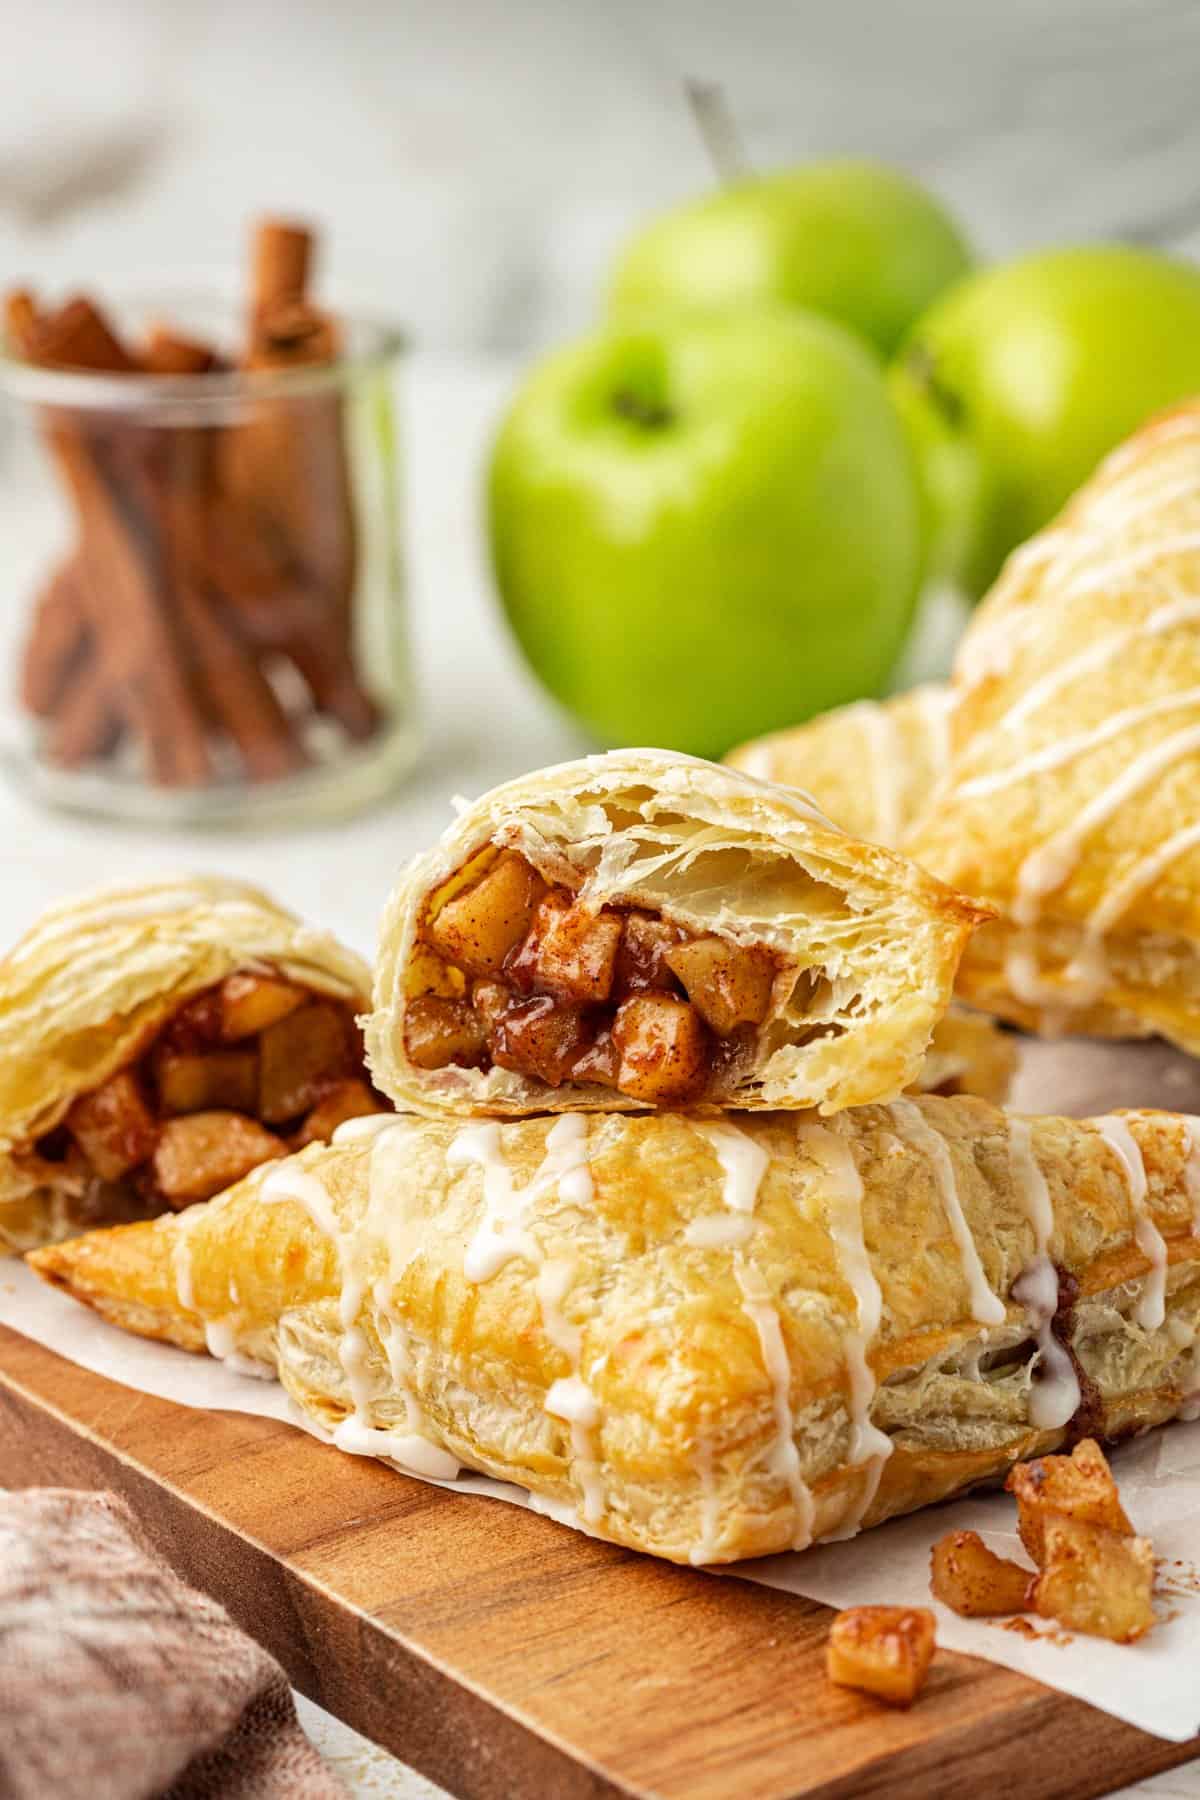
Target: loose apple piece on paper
[972,1580]
[884,1650]
[1095,1580]
[1081,1486]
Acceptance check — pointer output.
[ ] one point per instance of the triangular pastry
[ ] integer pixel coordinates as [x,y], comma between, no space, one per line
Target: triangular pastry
[639,930]
[871,766]
[705,1339]
[1072,801]
[158,1041]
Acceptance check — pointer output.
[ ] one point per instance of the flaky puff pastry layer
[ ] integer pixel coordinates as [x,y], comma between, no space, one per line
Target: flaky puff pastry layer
[870,766]
[708,1341]
[1071,801]
[713,850]
[90,983]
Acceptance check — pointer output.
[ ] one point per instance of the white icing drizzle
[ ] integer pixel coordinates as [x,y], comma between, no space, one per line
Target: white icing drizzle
[718,1231]
[181,1255]
[368,1125]
[412,1449]
[501,1235]
[843,1197]
[1055,1397]
[986,1307]
[1069,749]
[743,1164]
[1151,1308]
[783,1459]
[1095,656]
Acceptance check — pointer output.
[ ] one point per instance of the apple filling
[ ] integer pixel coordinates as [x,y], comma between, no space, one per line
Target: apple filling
[244,1072]
[518,973]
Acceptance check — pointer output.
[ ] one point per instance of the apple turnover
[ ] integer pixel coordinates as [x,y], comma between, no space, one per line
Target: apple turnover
[1071,805]
[158,1042]
[640,930]
[870,766]
[702,1339]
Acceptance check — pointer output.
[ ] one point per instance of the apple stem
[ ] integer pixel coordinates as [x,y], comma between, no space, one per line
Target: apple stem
[720,136]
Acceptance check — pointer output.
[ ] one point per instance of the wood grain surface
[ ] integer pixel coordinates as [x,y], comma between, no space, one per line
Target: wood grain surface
[511,1659]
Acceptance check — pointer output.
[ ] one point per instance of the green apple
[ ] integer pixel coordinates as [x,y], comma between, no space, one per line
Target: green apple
[706,528]
[856,241]
[1020,380]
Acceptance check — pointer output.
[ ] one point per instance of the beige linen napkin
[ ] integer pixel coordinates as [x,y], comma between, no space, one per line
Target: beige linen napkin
[119,1682]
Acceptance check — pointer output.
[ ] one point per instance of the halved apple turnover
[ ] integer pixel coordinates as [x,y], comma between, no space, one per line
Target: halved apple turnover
[703,1339]
[158,1042]
[639,930]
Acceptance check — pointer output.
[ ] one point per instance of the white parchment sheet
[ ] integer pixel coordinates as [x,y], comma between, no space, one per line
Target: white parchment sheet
[1154,1685]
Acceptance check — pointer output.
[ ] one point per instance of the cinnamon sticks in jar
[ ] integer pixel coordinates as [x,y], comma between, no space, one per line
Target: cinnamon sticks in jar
[199,626]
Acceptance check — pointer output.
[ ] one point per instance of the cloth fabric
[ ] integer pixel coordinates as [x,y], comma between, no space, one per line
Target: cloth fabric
[117,1680]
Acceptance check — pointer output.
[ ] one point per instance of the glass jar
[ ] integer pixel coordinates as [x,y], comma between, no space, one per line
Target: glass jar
[204,619]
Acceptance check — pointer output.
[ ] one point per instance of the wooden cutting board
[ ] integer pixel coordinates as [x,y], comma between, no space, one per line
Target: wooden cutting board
[511,1659]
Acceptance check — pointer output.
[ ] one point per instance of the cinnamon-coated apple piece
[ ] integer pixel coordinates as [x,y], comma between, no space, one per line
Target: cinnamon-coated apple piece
[250,1003]
[662,1048]
[299,1058]
[542,1038]
[352,1099]
[1080,1486]
[1095,1580]
[571,952]
[728,984]
[439,1031]
[114,1126]
[884,1650]
[204,1152]
[641,962]
[478,928]
[973,1581]
[191,1081]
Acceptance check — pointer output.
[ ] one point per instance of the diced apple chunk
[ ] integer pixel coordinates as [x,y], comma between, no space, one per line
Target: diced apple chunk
[728,984]
[197,1081]
[1080,1485]
[351,1099]
[478,927]
[541,1038]
[641,962]
[438,1032]
[662,1048]
[298,1059]
[1095,1580]
[972,1580]
[571,952]
[199,1155]
[883,1650]
[250,1003]
[114,1127]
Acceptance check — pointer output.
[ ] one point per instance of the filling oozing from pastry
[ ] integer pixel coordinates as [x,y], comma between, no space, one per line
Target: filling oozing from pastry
[517,972]
[242,1073]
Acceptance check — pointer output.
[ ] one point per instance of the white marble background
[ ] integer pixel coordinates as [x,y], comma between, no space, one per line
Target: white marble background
[478,161]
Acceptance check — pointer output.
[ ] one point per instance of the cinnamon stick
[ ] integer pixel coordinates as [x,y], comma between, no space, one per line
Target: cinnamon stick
[86,725]
[58,641]
[167,352]
[281,257]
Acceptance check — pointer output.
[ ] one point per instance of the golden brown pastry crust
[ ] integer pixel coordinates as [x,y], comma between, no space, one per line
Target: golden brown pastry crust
[91,982]
[715,851]
[1070,805]
[870,766]
[710,1340]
